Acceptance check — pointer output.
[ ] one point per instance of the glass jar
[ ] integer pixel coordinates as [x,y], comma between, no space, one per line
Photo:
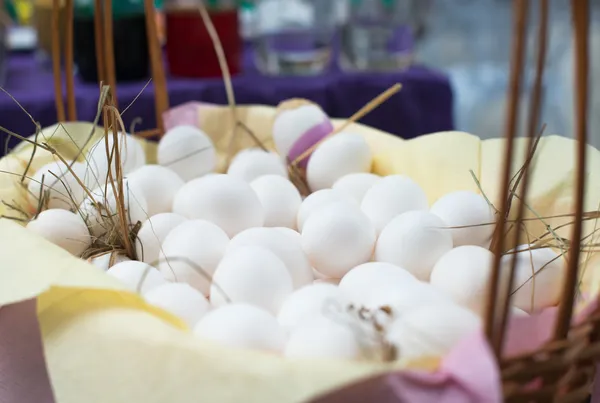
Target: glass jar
[379,34]
[130,42]
[190,50]
[294,37]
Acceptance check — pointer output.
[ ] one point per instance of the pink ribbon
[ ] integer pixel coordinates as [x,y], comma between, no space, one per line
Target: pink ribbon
[311,137]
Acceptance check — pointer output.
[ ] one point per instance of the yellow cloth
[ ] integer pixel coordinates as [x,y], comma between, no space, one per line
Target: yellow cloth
[104,344]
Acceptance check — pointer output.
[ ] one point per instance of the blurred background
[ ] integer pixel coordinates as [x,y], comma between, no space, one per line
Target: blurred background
[450,55]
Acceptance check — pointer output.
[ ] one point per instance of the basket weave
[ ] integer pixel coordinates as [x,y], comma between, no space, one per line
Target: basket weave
[563,370]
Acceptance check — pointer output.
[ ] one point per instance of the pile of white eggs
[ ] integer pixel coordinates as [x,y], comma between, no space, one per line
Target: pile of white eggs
[362,262]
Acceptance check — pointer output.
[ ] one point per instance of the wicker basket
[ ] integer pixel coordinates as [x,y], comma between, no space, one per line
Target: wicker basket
[561,370]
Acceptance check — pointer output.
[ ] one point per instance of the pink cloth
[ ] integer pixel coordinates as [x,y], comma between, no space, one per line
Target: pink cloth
[467,375]
[23,375]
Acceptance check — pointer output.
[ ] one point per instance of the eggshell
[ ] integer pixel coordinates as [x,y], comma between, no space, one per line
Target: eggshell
[224,200]
[137,276]
[253,275]
[152,234]
[242,326]
[333,281]
[414,240]
[360,284]
[324,339]
[307,303]
[339,155]
[289,125]
[391,196]
[187,151]
[191,253]
[464,209]
[412,296]
[60,186]
[355,185]
[464,274]
[132,156]
[101,220]
[287,246]
[317,200]
[280,200]
[181,300]
[252,163]
[158,186]
[107,260]
[531,294]
[63,228]
[337,238]
[431,331]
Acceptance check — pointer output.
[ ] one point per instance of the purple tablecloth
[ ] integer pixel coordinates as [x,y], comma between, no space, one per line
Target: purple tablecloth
[423,106]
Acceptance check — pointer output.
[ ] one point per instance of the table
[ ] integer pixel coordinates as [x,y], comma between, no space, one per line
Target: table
[423,106]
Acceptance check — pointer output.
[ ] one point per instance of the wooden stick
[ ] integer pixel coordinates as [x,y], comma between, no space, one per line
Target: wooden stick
[520,8]
[161,97]
[109,51]
[69,70]
[532,138]
[56,59]
[99,41]
[580,10]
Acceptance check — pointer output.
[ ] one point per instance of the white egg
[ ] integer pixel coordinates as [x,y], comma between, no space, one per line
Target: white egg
[152,234]
[355,185]
[334,281]
[188,151]
[412,296]
[317,200]
[131,153]
[107,260]
[468,210]
[464,275]
[60,186]
[287,246]
[289,125]
[414,240]
[391,196]
[533,293]
[224,200]
[337,238]
[252,163]
[307,303]
[242,326]
[360,284]
[63,228]
[339,155]
[191,253]
[158,186]
[181,300]
[101,213]
[137,276]
[324,338]
[253,275]
[280,200]
[431,331]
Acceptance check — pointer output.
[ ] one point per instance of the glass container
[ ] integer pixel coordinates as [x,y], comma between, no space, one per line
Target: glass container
[130,42]
[379,34]
[190,50]
[294,37]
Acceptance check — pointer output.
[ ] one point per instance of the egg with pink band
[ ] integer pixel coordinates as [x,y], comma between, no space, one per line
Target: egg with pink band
[298,126]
